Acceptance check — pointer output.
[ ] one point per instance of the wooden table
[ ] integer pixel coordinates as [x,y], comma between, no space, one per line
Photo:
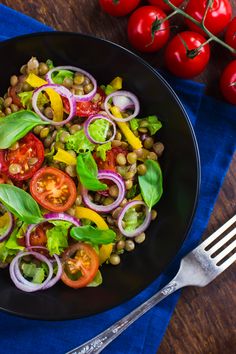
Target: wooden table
[204,320]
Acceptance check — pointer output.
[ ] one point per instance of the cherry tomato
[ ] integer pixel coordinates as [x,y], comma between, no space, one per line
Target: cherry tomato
[26,158]
[110,162]
[80,265]
[118,7]
[162,5]
[228,82]
[182,57]
[38,236]
[86,108]
[230,34]
[145,32]
[53,189]
[217,18]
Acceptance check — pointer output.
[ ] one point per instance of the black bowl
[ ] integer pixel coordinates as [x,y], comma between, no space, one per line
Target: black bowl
[180,165]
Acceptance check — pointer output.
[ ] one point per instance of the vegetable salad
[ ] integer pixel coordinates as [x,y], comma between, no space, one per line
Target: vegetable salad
[79,175]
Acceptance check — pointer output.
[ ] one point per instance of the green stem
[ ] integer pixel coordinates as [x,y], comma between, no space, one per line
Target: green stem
[200,25]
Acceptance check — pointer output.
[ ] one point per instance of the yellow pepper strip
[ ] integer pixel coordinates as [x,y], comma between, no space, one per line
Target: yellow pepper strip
[138,197]
[116,83]
[85,213]
[133,140]
[55,99]
[64,156]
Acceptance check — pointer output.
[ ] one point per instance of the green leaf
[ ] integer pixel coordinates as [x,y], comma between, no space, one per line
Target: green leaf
[59,76]
[57,237]
[153,124]
[151,183]
[102,149]
[20,203]
[134,123]
[26,99]
[93,235]
[132,192]
[79,142]
[98,129]
[50,64]
[16,125]
[30,270]
[87,170]
[133,219]
[10,247]
[97,280]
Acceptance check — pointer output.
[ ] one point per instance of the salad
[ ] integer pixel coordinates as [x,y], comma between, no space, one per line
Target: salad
[79,175]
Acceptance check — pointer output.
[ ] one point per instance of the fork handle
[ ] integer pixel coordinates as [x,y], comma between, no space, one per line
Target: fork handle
[98,343]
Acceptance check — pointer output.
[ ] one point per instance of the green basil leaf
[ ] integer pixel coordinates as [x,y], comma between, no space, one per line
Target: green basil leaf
[16,125]
[20,203]
[151,183]
[87,170]
[93,235]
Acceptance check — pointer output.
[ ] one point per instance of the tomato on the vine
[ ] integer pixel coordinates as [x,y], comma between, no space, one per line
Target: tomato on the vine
[228,82]
[217,18]
[185,56]
[162,5]
[230,34]
[24,159]
[118,8]
[146,30]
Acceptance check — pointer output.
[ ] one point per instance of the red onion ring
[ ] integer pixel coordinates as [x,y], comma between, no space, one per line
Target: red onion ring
[128,94]
[18,279]
[90,120]
[63,91]
[10,226]
[114,177]
[123,102]
[86,97]
[142,227]
[48,217]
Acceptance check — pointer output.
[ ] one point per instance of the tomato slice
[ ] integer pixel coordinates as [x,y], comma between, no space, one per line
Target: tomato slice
[28,158]
[86,108]
[38,236]
[110,162]
[80,265]
[53,189]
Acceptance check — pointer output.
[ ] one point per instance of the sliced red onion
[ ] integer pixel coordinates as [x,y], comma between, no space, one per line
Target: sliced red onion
[139,229]
[90,120]
[117,179]
[120,96]
[123,102]
[10,227]
[63,91]
[86,97]
[48,217]
[17,277]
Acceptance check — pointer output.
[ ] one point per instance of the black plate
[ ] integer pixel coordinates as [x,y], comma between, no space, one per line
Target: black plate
[180,165]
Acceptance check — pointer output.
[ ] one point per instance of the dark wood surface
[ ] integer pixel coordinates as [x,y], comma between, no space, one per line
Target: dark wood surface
[204,320]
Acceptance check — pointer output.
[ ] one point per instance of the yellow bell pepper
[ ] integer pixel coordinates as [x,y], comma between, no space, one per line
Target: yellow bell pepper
[138,197]
[85,213]
[116,83]
[133,140]
[55,99]
[64,156]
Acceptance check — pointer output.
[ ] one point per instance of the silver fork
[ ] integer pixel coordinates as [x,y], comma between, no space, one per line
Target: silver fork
[198,268]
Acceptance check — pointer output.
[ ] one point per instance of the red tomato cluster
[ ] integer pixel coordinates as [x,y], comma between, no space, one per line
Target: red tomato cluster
[187,53]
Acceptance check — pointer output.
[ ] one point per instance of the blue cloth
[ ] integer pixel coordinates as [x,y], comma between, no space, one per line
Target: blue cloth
[215,128]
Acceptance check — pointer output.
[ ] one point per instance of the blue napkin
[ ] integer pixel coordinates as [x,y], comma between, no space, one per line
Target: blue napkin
[215,127]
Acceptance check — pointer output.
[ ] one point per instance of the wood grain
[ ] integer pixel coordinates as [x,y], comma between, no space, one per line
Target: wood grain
[204,321]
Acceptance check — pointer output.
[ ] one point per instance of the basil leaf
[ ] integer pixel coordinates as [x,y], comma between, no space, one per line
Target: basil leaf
[151,183]
[20,203]
[87,170]
[16,125]
[89,233]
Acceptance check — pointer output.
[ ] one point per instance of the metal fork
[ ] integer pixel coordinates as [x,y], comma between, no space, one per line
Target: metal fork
[198,268]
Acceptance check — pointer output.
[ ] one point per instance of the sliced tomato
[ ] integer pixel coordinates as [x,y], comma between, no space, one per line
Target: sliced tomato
[38,236]
[53,189]
[110,162]
[80,265]
[86,108]
[28,157]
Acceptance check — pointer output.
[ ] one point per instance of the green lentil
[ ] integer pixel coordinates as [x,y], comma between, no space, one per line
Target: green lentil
[44,133]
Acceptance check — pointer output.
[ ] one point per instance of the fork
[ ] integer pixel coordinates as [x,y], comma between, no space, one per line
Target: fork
[198,268]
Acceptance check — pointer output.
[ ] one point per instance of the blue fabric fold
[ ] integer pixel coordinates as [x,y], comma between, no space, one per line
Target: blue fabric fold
[215,128]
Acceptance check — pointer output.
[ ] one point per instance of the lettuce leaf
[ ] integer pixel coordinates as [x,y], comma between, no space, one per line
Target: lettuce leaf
[10,247]
[79,142]
[97,280]
[99,129]
[26,99]
[31,271]
[133,219]
[57,237]
[152,123]
[102,149]
[59,76]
